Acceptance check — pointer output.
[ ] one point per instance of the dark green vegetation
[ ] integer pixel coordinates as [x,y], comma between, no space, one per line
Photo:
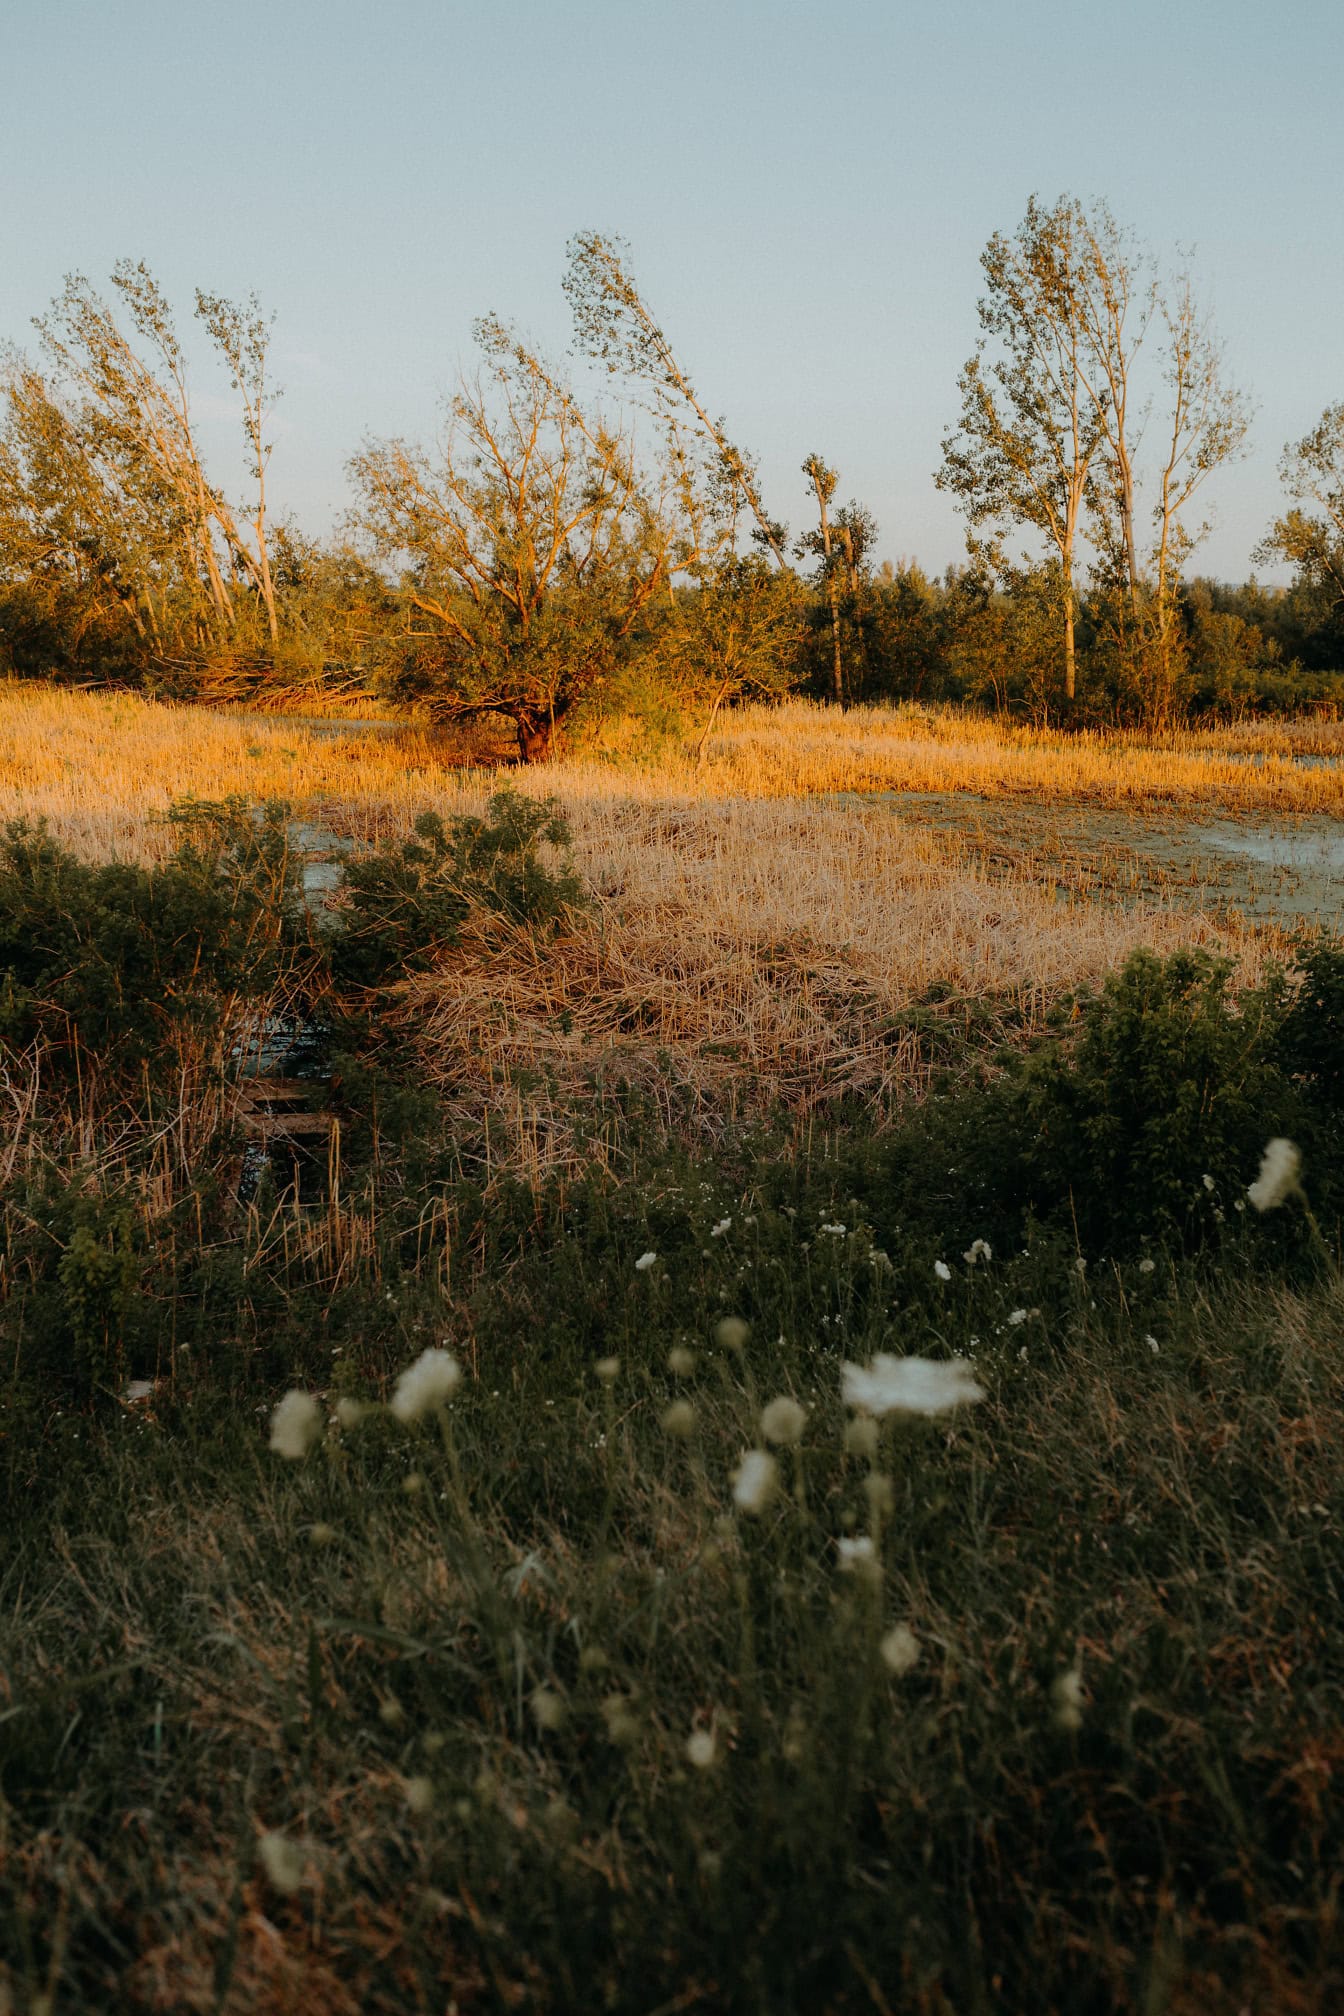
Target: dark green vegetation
[456,1664]
[550,566]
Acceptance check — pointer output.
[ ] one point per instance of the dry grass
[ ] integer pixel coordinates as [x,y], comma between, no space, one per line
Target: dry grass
[98,767]
[753,940]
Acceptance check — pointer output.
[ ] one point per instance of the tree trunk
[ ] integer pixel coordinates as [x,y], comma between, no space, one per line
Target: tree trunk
[536,734]
[1069,663]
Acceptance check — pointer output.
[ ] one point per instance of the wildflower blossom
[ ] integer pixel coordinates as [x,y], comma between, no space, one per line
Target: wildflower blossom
[942,1270]
[322,1535]
[644,1262]
[430,1382]
[1147,1266]
[783,1420]
[138,1390]
[900,1650]
[1016,1316]
[1280,1167]
[717,1231]
[701,1749]
[755,1481]
[858,1556]
[1208,1181]
[283,1860]
[861,1437]
[835,1231]
[420,1795]
[978,1250]
[1152,1344]
[909,1385]
[350,1412]
[295,1425]
[680,1361]
[880,1494]
[608,1370]
[679,1420]
[548,1708]
[732,1333]
[1066,1692]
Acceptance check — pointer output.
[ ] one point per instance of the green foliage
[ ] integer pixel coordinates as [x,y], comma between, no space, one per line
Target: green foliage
[109,957]
[1167,1083]
[405,902]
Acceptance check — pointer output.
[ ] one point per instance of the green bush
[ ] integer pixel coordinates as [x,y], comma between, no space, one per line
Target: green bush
[404,903]
[109,957]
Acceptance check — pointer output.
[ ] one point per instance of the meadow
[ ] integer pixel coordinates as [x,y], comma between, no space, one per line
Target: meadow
[630,1652]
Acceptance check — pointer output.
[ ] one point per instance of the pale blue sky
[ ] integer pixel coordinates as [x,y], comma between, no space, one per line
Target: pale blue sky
[806,194]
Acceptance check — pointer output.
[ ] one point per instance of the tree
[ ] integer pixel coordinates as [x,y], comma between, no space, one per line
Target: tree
[1029,429]
[823,481]
[530,546]
[736,633]
[1312,472]
[614,326]
[242,336]
[1053,416]
[106,490]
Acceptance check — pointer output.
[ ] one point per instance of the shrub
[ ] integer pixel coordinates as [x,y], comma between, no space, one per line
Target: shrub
[405,903]
[109,957]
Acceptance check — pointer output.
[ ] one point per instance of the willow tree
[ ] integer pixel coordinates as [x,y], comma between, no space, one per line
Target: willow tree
[1029,432]
[529,542]
[614,326]
[1312,539]
[106,486]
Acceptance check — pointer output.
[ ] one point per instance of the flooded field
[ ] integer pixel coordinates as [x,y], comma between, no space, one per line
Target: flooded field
[1285,871]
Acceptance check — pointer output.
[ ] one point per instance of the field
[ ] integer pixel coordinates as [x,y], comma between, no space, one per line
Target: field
[647,1661]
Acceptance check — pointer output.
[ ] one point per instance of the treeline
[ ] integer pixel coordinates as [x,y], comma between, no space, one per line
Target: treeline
[554,559]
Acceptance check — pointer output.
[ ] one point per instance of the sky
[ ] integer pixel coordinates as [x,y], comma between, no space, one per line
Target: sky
[806,194]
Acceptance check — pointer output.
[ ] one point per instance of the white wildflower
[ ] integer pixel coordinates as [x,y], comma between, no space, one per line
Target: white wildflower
[350,1412]
[1152,1344]
[909,1385]
[138,1390]
[1080,1265]
[858,1557]
[1147,1266]
[835,1231]
[717,1231]
[1067,1694]
[413,1483]
[1016,1316]
[732,1333]
[420,1795]
[942,1270]
[881,1496]
[680,1361]
[548,1708]
[1209,1183]
[295,1425]
[679,1420]
[861,1437]
[701,1749]
[755,1480]
[978,1250]
[283,1860]
[783,1420]
[644,1262]
[430,1382]
[608,1370]
[1280,1167]
[900,1650]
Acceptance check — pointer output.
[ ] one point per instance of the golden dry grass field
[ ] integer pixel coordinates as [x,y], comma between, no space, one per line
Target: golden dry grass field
[767,926]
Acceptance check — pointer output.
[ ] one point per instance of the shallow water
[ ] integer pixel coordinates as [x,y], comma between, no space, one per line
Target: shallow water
[1276,871]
